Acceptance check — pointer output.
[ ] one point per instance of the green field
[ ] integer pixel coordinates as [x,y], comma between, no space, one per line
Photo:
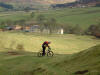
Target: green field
[13,16]
[65,44]
[82,16]
[67,16]
[67,59]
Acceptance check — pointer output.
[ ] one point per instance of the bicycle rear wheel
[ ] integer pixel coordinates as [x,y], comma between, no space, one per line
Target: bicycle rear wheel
[39,54]
[50,53]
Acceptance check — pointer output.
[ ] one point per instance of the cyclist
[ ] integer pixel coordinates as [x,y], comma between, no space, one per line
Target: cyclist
[44,45]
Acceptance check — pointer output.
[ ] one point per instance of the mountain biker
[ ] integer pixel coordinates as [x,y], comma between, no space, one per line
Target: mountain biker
[44,45]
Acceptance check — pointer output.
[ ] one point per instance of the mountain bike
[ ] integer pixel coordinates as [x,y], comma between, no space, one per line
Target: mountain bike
[48,53]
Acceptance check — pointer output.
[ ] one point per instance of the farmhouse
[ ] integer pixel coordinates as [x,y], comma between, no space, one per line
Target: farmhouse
[26,28]
[61,31]
[17,27]
[1,29]
[32,28]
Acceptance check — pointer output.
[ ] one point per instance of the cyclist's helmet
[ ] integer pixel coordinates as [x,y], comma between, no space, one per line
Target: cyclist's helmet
[49,42]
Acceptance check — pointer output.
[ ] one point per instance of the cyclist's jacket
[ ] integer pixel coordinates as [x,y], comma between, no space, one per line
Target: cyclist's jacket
[45,44]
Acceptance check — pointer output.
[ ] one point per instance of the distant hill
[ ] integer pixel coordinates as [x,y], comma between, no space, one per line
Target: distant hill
[89,2]
[39,1]
[33,4]
[79,3]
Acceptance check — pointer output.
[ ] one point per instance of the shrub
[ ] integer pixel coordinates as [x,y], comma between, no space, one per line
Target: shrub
[94,30]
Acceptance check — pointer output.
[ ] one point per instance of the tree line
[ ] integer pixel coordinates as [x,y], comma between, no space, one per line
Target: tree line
[52,25]
[76,3]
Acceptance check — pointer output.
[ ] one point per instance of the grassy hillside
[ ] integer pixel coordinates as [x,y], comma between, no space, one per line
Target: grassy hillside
[82,16]
[27,63]
[84,60]
[13,16]
[65,44]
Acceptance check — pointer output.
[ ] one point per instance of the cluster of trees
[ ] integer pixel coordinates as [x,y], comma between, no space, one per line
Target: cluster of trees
[4,5]
[94,30]
[50,24]
[77,29]
[91,30]
[87,1]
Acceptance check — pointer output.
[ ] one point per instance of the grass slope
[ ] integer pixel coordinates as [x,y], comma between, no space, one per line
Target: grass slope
[30,64]
[82,16]
[13,16]
[88,59]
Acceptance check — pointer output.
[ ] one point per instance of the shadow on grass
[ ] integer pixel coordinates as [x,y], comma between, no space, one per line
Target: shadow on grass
[34,54]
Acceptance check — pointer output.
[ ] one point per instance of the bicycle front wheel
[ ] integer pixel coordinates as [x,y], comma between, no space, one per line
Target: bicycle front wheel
[50,53]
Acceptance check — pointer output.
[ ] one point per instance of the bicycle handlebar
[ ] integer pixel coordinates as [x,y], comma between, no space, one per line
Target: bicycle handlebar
[49,48]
